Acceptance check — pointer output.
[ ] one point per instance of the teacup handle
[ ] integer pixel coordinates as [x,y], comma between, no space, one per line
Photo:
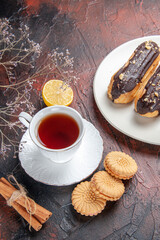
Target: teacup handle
[25,118]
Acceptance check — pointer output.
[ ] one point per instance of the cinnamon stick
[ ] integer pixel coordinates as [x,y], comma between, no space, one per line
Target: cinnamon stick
[41,214]
[39,211]
[10,185]
[33,221]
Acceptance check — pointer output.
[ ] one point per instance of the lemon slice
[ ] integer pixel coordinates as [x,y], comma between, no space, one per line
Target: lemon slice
[56,92]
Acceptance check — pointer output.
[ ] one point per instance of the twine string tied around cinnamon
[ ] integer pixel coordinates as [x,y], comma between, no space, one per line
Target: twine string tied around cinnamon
[21,192]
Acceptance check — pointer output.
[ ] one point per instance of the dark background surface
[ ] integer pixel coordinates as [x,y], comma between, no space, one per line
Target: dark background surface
[90,30]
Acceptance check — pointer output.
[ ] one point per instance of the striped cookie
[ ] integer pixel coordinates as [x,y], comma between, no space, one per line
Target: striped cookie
[85,201]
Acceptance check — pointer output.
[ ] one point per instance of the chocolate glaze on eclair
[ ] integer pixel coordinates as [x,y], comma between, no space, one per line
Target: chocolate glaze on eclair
[147,101]
[125,83]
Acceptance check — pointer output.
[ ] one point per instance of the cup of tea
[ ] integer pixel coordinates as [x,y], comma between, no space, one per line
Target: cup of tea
[57,131]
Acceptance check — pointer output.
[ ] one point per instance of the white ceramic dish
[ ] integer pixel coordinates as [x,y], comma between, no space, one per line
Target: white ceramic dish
[122,116]
[83,164]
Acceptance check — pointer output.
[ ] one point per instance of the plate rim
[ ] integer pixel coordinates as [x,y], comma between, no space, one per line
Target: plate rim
[139,39]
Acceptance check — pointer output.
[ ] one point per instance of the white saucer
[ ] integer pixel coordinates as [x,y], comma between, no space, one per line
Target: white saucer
[84,163]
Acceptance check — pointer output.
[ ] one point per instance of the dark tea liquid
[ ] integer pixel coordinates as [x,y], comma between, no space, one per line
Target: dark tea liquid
[58,131]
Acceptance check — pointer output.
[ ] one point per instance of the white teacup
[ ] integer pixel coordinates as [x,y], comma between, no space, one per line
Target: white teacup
[32,123]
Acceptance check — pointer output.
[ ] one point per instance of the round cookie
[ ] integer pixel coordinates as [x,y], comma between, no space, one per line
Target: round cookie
[93,186]
[107,198]
[108,185]
[120,165]
[85,201]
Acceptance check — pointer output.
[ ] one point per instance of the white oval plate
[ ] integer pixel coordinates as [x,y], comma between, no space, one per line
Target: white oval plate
[122,116]
[84,163]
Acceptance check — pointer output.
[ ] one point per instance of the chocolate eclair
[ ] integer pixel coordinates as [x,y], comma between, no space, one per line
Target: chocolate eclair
[147,100]
[126,81]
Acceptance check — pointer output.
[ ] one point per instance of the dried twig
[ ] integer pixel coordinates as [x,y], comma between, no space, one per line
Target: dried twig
[19,52]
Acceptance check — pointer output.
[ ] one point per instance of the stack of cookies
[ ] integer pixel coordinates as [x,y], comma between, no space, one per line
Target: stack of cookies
[90,198]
